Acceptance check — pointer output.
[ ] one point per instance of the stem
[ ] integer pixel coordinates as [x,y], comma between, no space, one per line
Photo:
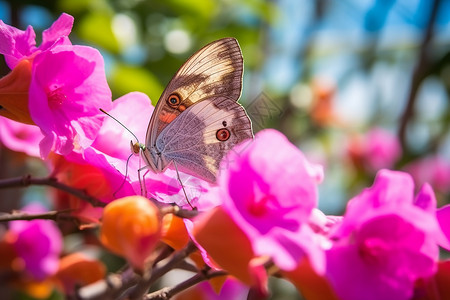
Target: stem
[419,74]
[177,211]
[168,292]
[110,288]
[24,216]
[27,180]
[158,272]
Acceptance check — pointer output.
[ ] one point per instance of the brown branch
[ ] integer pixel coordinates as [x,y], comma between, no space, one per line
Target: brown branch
[27,180]
[177,211]
[129,283]
[110,288]
[54,215]
[168,292]
[419,73]
[142,287]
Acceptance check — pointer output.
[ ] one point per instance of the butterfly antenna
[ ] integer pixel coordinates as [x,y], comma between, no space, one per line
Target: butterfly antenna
[103,111]
[182,186]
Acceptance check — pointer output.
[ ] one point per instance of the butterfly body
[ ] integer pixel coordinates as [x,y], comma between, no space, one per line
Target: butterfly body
[197,119]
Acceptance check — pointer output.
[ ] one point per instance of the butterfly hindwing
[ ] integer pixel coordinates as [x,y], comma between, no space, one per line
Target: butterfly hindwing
[199,138]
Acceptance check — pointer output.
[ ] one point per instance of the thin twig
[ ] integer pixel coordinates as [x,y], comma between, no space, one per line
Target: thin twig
[54,215]
[157,272]
[129,284]
[177,211]
[27,180]
[168,292]
[110,288]
[419,73]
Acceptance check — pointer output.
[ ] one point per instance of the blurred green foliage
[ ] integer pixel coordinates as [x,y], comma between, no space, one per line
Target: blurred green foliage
[202,22]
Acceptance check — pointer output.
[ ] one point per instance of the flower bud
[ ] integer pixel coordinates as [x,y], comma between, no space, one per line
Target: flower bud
[14,93]
[174,232]
[76,270]
[225,242]
[131,228]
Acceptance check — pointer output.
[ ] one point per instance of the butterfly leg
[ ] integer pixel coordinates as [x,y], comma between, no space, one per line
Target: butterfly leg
[142,181]
[182,186]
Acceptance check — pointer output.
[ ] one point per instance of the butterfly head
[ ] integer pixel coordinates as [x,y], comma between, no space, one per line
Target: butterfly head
[137,147]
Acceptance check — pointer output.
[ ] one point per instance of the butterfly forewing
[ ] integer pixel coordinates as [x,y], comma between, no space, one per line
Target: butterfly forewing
[194,141]
[216,69]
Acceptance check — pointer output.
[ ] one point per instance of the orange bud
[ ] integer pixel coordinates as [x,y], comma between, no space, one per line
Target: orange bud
[84,177]
[322,111]
[226,243]
[309,283]
[77,270]
[174,232]
[37,289]
[131,228]
[14,93]
[193,293]
[8,253]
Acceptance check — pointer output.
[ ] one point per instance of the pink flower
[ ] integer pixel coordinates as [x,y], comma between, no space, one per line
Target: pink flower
[20,137]
[133,110]
[443,215]
[100,170]
[166,188]
[378,149]
[38,244]
[68,87]
[433,169]
[387,240]
[112,144]
[269,189]
[92,173]
[16,44]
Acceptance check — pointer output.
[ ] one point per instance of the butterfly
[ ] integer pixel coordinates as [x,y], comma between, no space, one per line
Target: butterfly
[197,119]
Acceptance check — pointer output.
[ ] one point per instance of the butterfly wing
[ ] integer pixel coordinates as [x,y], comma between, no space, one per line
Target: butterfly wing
[197,139]
[216,69]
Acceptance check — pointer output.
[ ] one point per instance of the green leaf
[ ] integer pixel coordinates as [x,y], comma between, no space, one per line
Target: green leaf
[96,28]
[126,78]
[204,9]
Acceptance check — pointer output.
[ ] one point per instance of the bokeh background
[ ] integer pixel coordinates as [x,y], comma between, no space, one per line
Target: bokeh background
[357,85]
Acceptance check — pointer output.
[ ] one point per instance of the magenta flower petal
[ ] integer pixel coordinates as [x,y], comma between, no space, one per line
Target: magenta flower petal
[20,137]
[443,216]
[382,149]
[231,289]
[67,89]
[16,44]
[59,30]
[390,189]
[433,169]
[382,263]
[133,110]
[165,188]
[269,189]
[39,244]
[386,241]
